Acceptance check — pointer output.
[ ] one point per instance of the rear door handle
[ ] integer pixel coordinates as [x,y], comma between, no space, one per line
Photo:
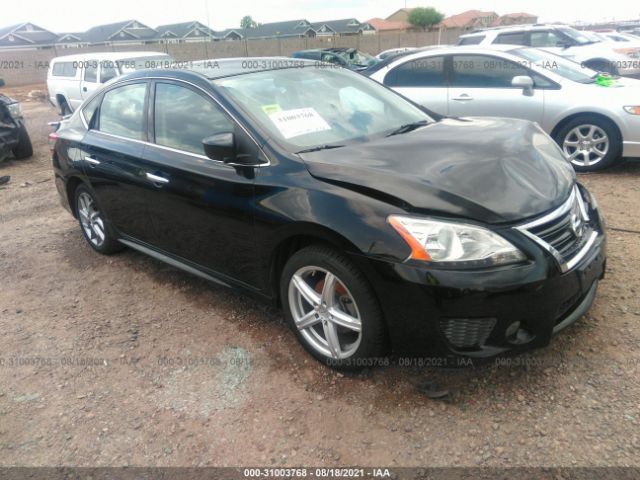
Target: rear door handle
[463,98]
[91,160]
[156,178]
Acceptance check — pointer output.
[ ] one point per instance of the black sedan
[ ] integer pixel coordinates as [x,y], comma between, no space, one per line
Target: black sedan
[376,226]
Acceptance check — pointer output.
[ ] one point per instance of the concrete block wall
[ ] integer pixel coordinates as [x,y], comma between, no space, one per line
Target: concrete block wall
[27,67]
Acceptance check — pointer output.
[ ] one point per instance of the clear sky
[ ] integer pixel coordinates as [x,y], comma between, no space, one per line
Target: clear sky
[79,15]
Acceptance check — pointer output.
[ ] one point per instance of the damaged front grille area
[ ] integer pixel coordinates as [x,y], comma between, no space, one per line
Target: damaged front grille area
[566,233]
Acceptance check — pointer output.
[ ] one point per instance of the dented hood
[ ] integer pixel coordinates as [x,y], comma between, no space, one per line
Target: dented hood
[492,170]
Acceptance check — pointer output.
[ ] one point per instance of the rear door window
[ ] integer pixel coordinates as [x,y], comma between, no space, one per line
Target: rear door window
[480,71]
[422,72]
[64,69]
[513,38]
[122,111]
[107,71]
[475,40]
[546,39]
[91,71]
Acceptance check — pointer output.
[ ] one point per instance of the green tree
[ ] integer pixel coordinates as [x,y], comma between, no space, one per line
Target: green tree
[425,18]
[248,22]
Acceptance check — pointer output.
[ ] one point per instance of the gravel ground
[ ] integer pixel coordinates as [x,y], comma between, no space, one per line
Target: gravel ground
[110,361]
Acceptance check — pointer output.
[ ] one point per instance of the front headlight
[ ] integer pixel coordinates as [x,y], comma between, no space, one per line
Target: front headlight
[454,244]
[632,109]
[15,111]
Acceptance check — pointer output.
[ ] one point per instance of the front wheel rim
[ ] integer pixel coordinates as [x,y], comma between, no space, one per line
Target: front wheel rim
[325,312]
[90,219]
[586,145]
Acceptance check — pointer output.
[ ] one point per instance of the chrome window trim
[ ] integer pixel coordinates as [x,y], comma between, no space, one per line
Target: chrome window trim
[565,265]
[191,154]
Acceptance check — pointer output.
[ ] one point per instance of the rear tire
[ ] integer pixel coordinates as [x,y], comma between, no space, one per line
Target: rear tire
[24,149]
[590,143]
[93,224]
[332,309]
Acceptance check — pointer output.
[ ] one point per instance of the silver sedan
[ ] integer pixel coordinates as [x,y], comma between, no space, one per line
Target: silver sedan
[594,118]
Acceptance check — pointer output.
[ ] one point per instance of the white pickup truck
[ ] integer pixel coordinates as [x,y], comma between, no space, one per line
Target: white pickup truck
[72,78]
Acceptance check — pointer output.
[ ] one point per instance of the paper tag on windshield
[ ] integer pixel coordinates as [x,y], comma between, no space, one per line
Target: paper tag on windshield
[293,123]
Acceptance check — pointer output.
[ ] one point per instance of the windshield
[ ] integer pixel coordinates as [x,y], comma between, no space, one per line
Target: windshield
[311,107]
[581,38]
[128,65]
[558,65]
[354,57]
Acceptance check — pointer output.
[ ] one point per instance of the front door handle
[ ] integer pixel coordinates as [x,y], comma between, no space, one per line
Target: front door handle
[84,89]
[91,160]
[463,98]
[156,178]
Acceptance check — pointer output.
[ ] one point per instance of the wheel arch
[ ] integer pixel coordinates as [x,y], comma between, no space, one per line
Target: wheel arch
[71,186]
[560,125]
[297,238]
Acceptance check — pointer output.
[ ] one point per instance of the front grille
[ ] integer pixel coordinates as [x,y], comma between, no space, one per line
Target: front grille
[566,232]
[467,332]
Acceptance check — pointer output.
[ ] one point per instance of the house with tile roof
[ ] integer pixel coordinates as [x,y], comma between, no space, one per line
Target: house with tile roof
[382,25]
[519,18]
[401,15]
[470,19]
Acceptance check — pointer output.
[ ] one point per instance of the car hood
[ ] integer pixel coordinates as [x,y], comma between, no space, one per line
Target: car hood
[491,170]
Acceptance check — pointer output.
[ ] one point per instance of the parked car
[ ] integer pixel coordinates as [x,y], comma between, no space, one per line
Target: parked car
[562,40]
[594,120]
[392,52]
[73,78]
[372,222]
[622,42]
[345,57]
[14,138]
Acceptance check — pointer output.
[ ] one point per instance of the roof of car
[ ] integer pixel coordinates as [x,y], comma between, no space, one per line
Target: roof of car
[106,56]
[225,67]
[514,28]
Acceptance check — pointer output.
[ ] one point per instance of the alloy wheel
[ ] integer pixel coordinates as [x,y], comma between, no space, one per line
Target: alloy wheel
[91,220]
[325,312]
[586,145]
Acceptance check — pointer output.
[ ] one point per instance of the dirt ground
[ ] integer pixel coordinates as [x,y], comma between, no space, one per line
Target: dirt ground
[122,360]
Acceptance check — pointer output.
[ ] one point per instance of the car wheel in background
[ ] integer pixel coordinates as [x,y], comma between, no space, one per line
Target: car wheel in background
[590,143]
[93,223]
[332,309]
[24,149]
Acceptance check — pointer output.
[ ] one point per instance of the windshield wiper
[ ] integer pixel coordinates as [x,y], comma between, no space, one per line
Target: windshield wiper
[319,147]
[408,127]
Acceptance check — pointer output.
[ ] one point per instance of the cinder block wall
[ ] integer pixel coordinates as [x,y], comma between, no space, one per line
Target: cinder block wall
[26,67]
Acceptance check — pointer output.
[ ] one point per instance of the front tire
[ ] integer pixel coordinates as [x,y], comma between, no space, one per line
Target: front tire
[24,149]
[590,143]
[332,309]
[93,224]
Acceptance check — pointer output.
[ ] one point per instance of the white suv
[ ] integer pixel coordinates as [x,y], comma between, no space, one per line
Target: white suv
[73,78]
[581,47]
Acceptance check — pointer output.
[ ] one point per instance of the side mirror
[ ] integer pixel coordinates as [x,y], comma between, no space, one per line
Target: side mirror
[1,82]
[221,147]
[525,83]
